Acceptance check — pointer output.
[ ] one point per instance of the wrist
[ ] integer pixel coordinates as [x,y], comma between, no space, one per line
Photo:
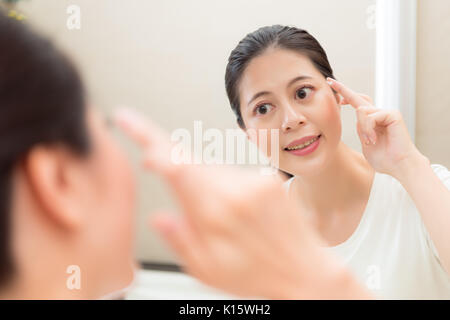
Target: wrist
[408,168]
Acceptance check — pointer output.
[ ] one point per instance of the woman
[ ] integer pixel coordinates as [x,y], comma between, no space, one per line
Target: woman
[386,212]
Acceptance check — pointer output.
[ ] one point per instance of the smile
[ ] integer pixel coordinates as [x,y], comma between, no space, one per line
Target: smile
[303,145]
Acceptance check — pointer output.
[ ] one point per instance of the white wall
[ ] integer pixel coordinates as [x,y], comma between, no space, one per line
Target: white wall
[433,81]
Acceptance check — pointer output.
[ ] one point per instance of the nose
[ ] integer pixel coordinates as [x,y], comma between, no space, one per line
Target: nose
[292,119]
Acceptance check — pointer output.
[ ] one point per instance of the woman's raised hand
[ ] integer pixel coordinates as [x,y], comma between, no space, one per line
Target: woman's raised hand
[238,231]
[385,140]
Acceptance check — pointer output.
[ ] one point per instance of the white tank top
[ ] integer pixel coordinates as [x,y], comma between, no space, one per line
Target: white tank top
[391,251]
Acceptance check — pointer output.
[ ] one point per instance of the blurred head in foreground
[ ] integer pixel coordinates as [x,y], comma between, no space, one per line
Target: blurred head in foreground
[66,190]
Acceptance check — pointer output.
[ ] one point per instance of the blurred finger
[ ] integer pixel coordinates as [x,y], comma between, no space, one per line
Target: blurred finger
[155,141]
[182,240]
[144,132]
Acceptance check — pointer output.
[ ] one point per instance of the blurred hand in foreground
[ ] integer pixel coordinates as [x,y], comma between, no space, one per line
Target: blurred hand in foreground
[238,230]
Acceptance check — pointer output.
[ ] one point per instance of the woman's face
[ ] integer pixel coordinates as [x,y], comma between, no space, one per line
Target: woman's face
[281,89]
[109,233]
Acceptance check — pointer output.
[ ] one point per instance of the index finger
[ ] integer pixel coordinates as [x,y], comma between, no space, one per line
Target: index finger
[144,132]
[349,95]
[154,141]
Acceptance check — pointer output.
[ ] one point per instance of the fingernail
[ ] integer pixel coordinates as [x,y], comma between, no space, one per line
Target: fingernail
[366,139]
[329,81]
[373,138]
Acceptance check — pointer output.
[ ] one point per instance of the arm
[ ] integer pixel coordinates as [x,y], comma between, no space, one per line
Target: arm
[387,146]
[432,199]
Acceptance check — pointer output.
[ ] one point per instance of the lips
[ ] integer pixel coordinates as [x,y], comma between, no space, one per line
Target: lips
[301,142]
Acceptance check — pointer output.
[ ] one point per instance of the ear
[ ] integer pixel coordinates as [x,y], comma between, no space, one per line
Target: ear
[53,176]
[246,133]
[250,134]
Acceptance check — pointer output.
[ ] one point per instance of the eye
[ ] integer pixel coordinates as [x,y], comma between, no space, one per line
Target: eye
[303,92]
[263,108]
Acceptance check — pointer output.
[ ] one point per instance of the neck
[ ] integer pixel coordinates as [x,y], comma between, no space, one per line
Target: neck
[347,178]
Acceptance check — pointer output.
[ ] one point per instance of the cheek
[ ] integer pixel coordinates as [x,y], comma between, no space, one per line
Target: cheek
[116,197]
[111,206]
[264,133]
[120,185]
[119,214]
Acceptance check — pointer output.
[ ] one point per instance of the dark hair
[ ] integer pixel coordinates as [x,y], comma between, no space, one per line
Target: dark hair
[257,42]
[41,102]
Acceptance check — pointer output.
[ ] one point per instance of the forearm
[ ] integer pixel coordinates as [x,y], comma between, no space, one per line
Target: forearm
[432,199]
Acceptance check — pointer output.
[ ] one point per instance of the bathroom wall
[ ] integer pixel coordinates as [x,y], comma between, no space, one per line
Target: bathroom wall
[433,82]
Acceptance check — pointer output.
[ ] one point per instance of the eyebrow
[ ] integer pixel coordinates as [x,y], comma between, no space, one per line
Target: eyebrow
[298,79]
[262,93]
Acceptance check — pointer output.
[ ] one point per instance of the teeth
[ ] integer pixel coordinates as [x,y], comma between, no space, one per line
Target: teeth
[303,145]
